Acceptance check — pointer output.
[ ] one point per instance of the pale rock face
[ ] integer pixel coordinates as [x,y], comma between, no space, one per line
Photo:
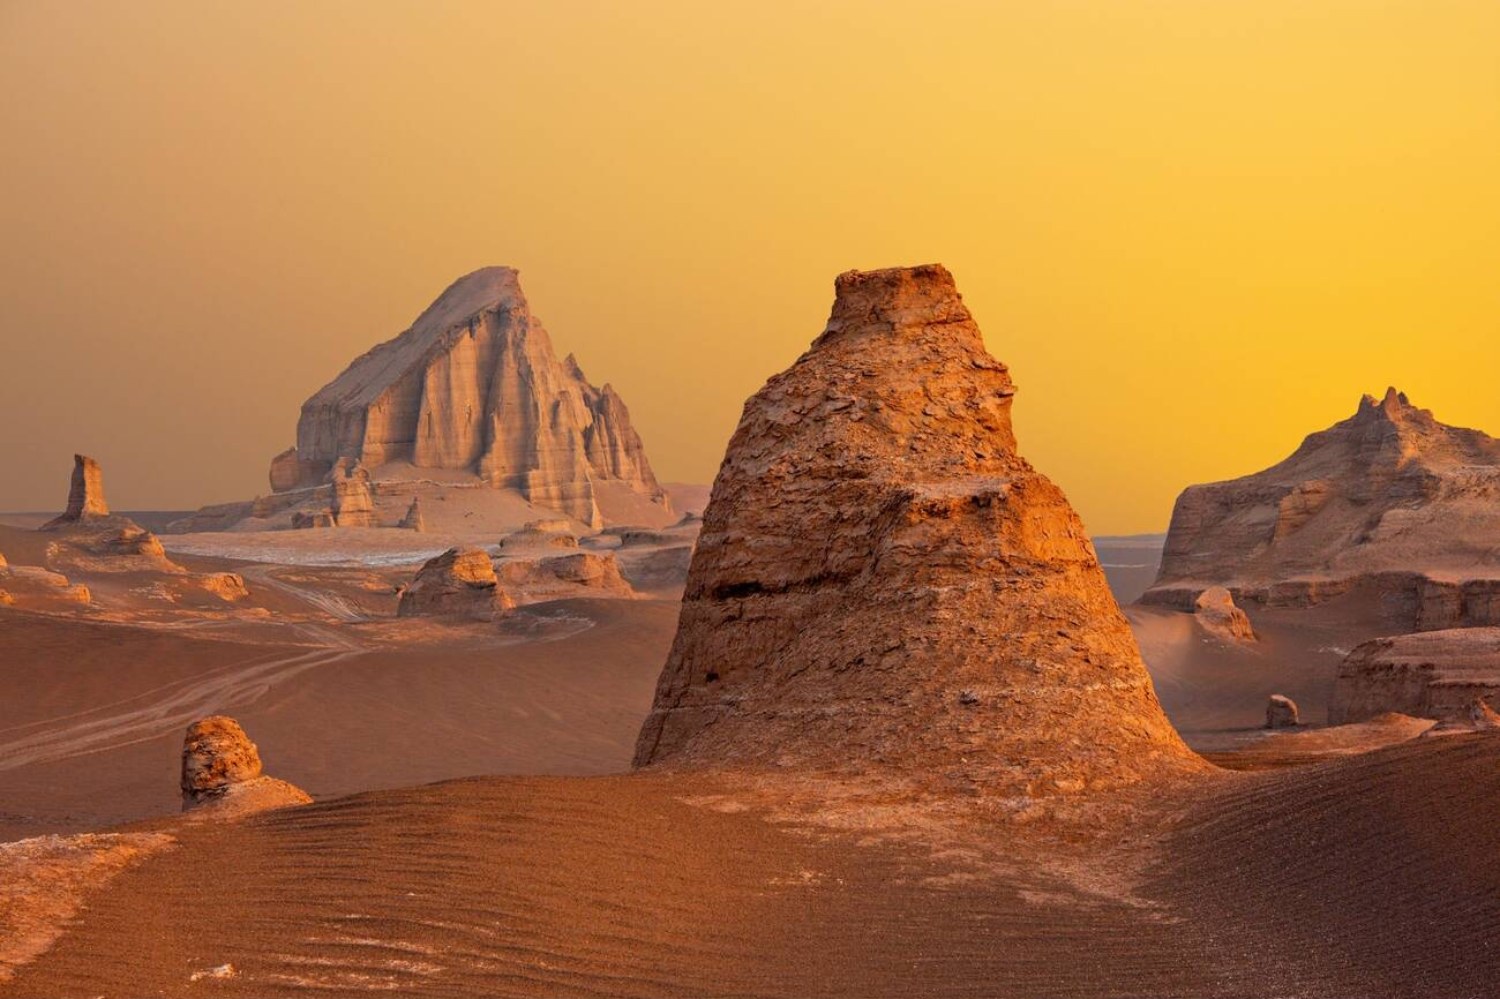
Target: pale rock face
[1281,712]
[475,385]
[221,771]
[883,584]
[85,493]
[1435,674]
[353,505]
[459,582]
[1386,498]
[1217,614]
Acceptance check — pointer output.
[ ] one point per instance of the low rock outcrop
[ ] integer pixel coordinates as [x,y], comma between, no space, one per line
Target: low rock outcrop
[1389,501]
[474,386]
[1436,674]
[1281,712]
[581,574]
[221,770]
[1217,614]
[85,494]
[1479,717]
[541,534]
[460,582]
[883,584]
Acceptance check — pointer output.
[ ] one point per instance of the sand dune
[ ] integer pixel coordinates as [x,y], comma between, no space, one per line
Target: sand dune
[1366,877]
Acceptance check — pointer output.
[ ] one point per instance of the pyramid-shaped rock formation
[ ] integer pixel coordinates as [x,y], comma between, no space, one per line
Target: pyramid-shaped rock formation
[474,385]
[883,582]
[1389,496]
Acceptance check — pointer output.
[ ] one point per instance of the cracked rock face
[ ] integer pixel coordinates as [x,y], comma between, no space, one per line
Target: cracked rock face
[475,385]
[883,582]
[459,582]
[215,754]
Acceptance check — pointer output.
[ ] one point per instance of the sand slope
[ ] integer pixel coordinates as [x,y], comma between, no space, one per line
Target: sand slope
[1362,878]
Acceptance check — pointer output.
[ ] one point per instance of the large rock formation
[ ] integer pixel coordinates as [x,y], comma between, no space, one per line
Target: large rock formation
[882,582]
[85,494]
[1435,674]
[474,385]
[221,768]
[1389,500]
[1281,712]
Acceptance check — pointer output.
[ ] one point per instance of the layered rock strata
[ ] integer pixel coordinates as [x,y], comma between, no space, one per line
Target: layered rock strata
[1434,674]
[883,583]
[1389,501]
[474,385]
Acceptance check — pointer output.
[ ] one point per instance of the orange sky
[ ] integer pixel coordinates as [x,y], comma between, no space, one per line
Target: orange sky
[1195,230]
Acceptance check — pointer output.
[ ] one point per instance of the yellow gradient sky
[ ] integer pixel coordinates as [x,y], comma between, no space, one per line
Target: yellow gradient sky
[1195,229]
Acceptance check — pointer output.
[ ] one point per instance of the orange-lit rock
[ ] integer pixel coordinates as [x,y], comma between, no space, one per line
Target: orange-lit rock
[883,582]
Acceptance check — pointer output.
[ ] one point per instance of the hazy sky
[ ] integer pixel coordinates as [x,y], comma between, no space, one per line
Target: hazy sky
[1195,229]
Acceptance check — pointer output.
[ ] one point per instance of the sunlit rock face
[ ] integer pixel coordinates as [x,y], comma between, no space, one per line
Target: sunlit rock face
[475,385]
[1390,500]
[85,494]
[883,582]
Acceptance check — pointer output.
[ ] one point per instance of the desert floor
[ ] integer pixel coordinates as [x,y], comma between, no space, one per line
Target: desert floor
[1350,862]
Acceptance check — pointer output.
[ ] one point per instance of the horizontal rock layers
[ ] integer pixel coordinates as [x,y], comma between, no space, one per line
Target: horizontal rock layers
[1436,674]
[1388,499]
[883,582]
[474,385]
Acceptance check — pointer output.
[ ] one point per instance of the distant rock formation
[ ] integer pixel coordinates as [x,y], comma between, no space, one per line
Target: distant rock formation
[413,520]
[1217,614]
[1435,674]
[1389,500]
[541,534]
[352,503]
[459,582]
[85,494]
[221,769]
[1281,712]
[577,575]
[474,385]
[883,583]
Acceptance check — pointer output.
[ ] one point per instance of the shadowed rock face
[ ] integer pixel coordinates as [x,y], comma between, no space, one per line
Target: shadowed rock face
[882,581]
[1388,491]
[474,385]
[85,493]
